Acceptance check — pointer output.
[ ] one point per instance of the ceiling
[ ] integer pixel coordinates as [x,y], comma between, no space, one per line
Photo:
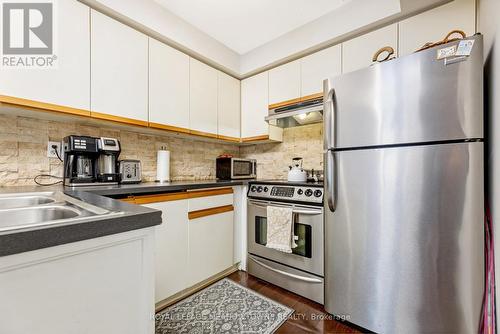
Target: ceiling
[243,25]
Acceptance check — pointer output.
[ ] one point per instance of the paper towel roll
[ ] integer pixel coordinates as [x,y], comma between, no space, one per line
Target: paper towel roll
[163,166]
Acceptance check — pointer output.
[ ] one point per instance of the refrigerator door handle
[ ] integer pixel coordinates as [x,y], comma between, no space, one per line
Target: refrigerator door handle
[331,180]
[329,114]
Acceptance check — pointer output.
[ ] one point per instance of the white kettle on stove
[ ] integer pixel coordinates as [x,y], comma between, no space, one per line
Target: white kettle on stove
[296,172]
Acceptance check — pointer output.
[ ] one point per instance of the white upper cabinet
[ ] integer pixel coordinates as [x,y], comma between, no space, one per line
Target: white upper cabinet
[357,53]
[435,24]
[119,63]
[284,82]
[69,83]
[228,106]
[254,106]
[319,66]
[168,86]
[203,98]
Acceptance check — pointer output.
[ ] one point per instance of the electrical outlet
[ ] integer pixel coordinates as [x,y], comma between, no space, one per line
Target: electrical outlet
[51,152]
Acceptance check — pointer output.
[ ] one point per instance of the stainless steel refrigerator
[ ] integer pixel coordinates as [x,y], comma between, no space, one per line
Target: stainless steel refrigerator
[404,192]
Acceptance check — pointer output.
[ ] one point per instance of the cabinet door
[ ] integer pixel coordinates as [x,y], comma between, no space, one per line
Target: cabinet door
[80,287]
[203,98]
[168,86]
[210,236]
[119,62]
[210,245]
[254,106]
[317,67]
[171,249]
[69,83]
[228,106]
[357,53]
[284,82]
[434,24]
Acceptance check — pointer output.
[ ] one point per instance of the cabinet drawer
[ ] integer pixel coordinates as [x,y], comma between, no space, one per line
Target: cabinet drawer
[207,199]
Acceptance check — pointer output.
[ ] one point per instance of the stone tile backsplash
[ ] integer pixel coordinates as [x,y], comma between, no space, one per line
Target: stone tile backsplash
[273,159]
[23,150]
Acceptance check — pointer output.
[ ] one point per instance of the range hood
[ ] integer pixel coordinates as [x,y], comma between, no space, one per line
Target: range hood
[296,113]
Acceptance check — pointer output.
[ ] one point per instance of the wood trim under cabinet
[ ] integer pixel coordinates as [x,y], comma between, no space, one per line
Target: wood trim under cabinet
[175,196]
[311,97]
[118,119]
[31,104]
[209,192]
[210,211]
[296,100]
[168,127]
[203,134]
[229,138]
[284,103]
[255,138]
[156,198]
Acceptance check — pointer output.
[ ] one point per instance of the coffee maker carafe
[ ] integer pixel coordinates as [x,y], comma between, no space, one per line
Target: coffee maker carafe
[80,156]
[107,162]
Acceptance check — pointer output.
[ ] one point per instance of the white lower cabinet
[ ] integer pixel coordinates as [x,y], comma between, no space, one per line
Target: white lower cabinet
[210,235]
[102,285]
[171,249]
[195,240]
[210,245]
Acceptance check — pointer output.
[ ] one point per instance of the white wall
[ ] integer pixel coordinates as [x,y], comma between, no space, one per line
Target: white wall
[489,26]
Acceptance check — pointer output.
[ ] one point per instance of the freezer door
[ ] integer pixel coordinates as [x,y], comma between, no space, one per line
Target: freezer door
[404,246]
[413,99]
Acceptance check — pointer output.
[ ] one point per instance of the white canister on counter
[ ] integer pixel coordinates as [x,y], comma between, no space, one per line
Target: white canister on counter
[163,165]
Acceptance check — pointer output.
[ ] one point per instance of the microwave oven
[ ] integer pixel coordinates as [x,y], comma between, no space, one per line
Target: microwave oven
[235,168]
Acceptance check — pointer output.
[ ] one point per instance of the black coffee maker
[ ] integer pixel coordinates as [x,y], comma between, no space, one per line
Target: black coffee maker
[90,161]
[80,157]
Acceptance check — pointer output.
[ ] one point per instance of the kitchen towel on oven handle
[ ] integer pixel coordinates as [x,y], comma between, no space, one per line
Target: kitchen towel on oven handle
[280,221]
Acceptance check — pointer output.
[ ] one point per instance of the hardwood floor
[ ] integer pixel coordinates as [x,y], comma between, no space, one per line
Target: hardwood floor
[309,317]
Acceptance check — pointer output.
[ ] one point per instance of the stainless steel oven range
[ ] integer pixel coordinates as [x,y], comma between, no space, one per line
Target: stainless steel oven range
[302,270]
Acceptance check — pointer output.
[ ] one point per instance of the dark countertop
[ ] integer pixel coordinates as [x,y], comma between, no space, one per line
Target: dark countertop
[156,187]
[133,217]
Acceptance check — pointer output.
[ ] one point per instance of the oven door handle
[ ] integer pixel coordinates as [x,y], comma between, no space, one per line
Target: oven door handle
[301,278]
[299,211]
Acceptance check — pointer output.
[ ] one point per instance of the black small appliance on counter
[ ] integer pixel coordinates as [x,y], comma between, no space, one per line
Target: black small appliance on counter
[90,161]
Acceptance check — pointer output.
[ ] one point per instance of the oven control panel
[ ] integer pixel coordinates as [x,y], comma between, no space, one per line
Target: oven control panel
[294,193]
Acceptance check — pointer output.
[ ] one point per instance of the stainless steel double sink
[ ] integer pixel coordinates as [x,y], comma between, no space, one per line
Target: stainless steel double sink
[35,210]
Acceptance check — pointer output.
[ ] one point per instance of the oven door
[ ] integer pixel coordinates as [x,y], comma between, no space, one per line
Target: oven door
[308,227]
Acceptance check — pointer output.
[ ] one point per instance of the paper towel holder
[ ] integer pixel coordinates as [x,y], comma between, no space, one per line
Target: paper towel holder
[163,165]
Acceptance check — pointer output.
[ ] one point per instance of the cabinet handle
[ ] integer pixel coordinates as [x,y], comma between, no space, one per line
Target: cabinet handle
[210,211]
